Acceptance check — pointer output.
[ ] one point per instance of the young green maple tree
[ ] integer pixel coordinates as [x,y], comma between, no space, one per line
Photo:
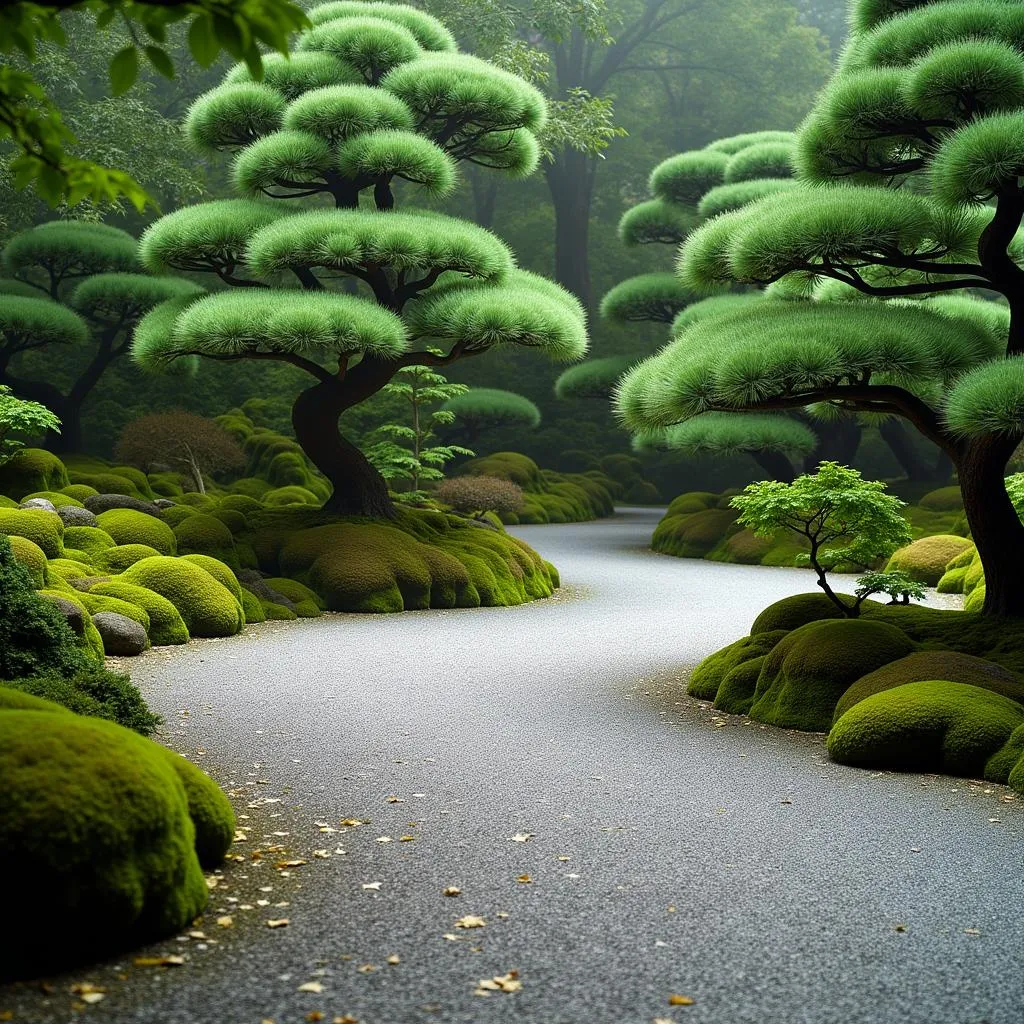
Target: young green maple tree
[18,416]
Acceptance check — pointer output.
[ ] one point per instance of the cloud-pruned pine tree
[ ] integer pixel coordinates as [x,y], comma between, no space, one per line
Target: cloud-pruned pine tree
[79,285]
[375,104]
[912,185]
[481,409]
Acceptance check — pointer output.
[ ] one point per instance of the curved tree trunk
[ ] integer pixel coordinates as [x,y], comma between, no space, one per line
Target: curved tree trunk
[838,441]
[995,526]
[776,465]
[358,489]
[571,183]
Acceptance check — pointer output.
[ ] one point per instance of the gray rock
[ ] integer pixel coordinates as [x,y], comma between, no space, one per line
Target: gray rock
[74,615]
[86,583]
[254,582]
[97,503]
[164,503]
[121,635]
[72,515]
[43,503]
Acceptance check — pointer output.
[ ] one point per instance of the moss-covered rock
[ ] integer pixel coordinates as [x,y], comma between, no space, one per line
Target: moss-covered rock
[219,570]
[975,600]
[793,612]
[928,726]
[302,599]
[80,492]
[207,607]
[104,603]
[68,570]
[925,560]
[118,558]
[252,608]
[204,534]
[291,495]
[921,666]
[43,528]
[695,534]
[31,470]
[943,499]
[128,526]
[806,673]
[691,501]
[57,499]
[167,627]
[32,557]
[707,677]
[1006,765]
[176,515]
[98,835]
[273,612]
[209,809]
[90,539]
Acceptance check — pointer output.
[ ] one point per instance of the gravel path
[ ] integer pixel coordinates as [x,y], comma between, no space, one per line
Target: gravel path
[668,850]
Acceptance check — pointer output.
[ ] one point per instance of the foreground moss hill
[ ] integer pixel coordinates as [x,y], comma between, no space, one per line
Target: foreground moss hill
[901,688]
[137,560]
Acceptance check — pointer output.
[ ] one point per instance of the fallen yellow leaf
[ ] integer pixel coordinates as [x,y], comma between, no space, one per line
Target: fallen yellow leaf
[159,961]
[522,837]
[674,1000]
[226,921]
[451,891]
[281,922]
[393,959]
[524,879]
[470,921]
[311,986]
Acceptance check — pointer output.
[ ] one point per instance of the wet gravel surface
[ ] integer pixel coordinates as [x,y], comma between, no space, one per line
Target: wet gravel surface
[622,843]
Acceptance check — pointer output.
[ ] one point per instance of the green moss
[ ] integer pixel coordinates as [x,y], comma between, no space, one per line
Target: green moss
[233,520]
[952,581]
[221,572]
[251,487]
[291,495]
[518,468]
[138,479]
[925,560]
[167,627]
[207,607]
[90,539]
[31,556]
[307,604]
[6,502]
[200,502]
[1007,764]
[90,643]
[793,612]
[105,482]
[209,809]
[963,560]
[177,514]
[975,600]
[695,534]
[203,534]
[252,608]
[944,499]
[56,498]
[707,677]
[975,575]
[37,525]
[240,503]
[928,726]
[127,526]
[70,569]
[97,832]
[12,699]
[165,485]
[277,612]
[31,470]
[118,558]
[80,491]
[923,665]
[103,603]
[736,694]
[806,673]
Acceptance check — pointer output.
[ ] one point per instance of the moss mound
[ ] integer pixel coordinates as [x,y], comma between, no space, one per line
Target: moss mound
[222,573]
[43,528]
[924,665]
[302,599]
[56,498]
[204,534]
[97,834]
[32,557]
[120,557]
[207,607]
[90,539]
[943,499]
[925,560]
[695,534]
[806,673]
[30,470]
[708,676]
[928,726]
[793,612]
[128,526]
[167,627]
[209,809]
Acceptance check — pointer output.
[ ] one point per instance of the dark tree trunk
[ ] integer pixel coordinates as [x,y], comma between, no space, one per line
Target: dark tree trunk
[776,465]
[485,196]
[838,441]
[358,489]
[995,526]
[571,182]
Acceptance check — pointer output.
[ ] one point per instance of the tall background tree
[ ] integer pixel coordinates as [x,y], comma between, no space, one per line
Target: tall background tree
[376,103]
[913,159]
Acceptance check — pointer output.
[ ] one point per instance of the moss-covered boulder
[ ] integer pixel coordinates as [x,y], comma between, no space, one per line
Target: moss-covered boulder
[708,676]
[207,607]
[118,558]
[128,526]
[925,560]
[97,835]
[924,665]
[204,534]
[1006,765]
[806,673]
[167,627]
[31,470]
[290,495]
[695,534]
[301,599]
[90,539]
[43,528]
[943,499]
[57,499]
[928,726]
[793,612]
[209,809]
[32,557]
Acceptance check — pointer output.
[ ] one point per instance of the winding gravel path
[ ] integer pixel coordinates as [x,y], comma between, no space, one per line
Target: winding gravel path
[671,851]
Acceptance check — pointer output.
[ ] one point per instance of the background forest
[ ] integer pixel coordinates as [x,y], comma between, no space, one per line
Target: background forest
[630,82]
